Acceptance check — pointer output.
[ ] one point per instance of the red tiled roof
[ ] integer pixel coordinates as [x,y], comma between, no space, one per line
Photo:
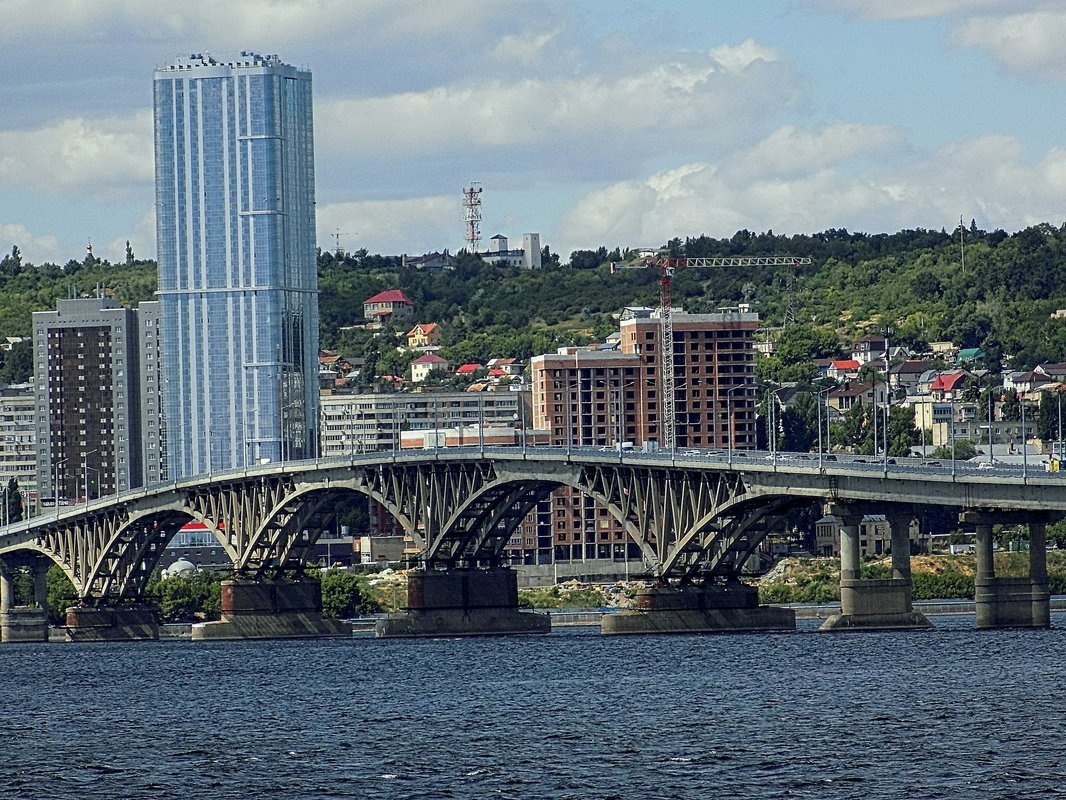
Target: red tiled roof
[424,327]
[429,358]
[466,369]
[495,373]
[847,363]
[946,382]
[389,296]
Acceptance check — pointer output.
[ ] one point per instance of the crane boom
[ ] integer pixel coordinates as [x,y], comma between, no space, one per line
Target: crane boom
[666,266]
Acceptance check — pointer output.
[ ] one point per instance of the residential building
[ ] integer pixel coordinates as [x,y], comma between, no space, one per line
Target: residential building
[388,306]
[423,336]
[431,262]
[359,423]
[949,385]
[18,450]
[153,417]
[238,284]
[869,347]
[856,393]
[875,536]
[906,375]
[425,365]
[591,397]
[843,369]
[86,368]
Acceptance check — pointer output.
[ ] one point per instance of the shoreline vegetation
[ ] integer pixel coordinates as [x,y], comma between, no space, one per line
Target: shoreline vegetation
[793,580]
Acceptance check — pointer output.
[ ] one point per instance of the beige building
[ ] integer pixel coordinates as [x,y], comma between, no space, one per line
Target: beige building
[875,536]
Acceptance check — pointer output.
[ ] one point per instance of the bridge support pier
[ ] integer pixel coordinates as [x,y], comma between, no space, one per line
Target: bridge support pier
[699,609]
[1011,602]
[24,623]
[119,623]
[276,609]
[867,605]
[462,602]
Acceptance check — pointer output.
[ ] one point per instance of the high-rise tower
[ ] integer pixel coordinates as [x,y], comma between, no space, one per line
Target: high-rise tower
[238,287]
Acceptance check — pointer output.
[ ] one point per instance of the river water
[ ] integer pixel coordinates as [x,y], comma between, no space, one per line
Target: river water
[951,713]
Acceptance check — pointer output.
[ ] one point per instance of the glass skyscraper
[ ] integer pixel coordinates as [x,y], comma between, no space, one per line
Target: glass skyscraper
[238,287]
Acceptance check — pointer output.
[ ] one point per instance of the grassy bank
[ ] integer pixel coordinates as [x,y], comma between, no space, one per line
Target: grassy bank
[817,580]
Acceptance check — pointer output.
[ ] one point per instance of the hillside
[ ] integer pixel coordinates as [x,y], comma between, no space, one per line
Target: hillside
[910,283]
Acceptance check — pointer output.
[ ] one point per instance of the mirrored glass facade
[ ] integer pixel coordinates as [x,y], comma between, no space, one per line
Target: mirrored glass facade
[238,288]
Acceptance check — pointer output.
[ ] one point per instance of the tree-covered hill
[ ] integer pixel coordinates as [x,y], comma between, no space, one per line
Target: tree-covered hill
[994,290]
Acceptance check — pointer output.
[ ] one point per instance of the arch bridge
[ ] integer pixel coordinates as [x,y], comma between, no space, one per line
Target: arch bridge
[696,516]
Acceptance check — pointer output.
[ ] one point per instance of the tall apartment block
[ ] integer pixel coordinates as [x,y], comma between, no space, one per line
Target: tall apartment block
[153,429]
[87,398]
[588,397]
[238,286]
[18,451]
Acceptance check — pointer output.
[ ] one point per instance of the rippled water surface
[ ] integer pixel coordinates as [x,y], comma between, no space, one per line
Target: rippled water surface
[948,714]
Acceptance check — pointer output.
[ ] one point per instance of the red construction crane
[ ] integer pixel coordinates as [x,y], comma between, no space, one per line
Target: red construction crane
[667,266]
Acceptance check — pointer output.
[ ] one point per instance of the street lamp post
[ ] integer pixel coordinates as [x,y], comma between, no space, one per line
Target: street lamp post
[55,483]
[85,468]
[1025,458]
[1058,395]
[951,430]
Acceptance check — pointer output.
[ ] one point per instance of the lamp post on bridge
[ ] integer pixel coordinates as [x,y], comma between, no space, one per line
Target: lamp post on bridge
[85,468]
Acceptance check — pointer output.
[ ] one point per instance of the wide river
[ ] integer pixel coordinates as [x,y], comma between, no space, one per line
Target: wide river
[951,713]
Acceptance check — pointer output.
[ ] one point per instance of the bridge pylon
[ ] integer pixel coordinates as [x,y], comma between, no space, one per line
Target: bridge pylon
[23,623]
[462,601]
[882,604]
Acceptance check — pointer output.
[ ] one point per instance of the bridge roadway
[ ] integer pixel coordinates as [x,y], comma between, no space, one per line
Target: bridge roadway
[695,514]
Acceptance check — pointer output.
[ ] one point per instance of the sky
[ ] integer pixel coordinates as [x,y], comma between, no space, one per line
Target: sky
[593,122]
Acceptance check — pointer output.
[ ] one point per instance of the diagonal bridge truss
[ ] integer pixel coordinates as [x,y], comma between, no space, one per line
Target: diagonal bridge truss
[689,523]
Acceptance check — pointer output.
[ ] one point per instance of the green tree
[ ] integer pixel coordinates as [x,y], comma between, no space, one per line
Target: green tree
[61,595]
[12,499]
[964,450]
[344,595]
[18,363]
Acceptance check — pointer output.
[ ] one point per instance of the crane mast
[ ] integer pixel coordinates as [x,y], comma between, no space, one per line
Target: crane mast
[667,266]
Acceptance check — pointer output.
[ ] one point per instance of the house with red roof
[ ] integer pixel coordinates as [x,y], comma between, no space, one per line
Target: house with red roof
[948,385]
[392,304]
[844,369]
[424,366]
[423,336]
[469,370]
[510,366]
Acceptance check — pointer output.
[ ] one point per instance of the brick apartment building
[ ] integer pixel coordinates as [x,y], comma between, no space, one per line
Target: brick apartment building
[601,397]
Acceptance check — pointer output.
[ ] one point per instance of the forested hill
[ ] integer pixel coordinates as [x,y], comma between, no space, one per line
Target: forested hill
[916,284]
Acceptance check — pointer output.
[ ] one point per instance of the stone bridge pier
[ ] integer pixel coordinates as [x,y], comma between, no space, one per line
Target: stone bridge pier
[25,623]
[462,601]
[884,604]
[1010,602]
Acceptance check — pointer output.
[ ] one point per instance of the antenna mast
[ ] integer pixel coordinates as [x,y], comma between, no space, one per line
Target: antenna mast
[472,214]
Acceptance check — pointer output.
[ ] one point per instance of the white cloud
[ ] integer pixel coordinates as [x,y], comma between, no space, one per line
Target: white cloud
[523,47]
[103,156]
[1030,44]
[412,226]
[790,150]
[984,178]
[35,248]
[277,21]
[687,103]
[914,9]
[141,239]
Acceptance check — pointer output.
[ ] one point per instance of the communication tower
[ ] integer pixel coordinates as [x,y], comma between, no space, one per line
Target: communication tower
[472,213]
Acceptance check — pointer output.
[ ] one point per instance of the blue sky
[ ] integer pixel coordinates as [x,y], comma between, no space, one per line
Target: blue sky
[592,122]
